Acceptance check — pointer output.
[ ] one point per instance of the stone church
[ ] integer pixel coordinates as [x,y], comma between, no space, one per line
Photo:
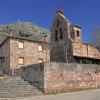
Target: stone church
[67,43]
[24,43]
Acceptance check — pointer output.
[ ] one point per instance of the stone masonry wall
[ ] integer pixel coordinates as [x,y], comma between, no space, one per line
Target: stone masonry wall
[61,77]
[5,54]
[34,74]
[30,53]
[61,50]
[85,50]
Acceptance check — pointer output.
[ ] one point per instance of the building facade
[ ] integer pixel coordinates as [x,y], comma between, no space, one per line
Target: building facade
[18,51]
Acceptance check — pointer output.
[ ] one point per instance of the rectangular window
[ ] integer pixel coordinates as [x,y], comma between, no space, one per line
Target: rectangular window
[40,48]
[78,33]
[21,60]
[40,60]
[21,44]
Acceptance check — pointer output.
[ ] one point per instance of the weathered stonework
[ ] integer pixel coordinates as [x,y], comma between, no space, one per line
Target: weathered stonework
[5,57]
[68,45]
[30,53]
[56,77]
[85,50]
[10,53]
[60,71]
[34,74]
[32,36]
[61,77]
[62,47]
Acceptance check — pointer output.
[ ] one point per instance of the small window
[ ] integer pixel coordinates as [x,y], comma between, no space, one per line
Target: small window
[61,34]
[21,44]
[78,33]
[45,38]
[21,60]
[40,60]
[56,37]
[40,48]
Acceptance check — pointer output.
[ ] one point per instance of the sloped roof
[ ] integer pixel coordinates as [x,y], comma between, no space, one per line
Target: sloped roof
[24,30]
[86,50]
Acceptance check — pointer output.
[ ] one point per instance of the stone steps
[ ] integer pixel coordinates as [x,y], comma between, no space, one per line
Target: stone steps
[15,95]
[16,87]
[13,84]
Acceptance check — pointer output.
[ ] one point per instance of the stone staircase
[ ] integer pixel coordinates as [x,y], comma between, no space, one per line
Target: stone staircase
[16,87]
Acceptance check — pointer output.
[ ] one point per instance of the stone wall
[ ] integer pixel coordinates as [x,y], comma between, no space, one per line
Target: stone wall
[34,74]
[5,57]
[61,77]
[30,53]
[85,50]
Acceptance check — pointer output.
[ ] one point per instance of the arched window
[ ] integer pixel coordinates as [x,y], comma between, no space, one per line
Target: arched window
[61,33]
[78,33]
[56,35]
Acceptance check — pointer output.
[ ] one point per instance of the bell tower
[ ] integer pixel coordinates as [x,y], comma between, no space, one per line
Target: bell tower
[60,30]
[76,33]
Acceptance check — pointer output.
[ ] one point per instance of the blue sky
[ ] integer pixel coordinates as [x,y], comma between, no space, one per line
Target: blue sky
[41,12]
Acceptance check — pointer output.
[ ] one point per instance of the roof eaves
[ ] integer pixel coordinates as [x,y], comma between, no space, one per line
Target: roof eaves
[28,39]
[4,41]
[76,25]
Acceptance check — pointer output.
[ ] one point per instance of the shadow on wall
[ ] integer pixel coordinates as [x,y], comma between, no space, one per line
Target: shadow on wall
[34,74]
[59,77]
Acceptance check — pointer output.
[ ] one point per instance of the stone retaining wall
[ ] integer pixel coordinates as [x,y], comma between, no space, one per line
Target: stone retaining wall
[60,77]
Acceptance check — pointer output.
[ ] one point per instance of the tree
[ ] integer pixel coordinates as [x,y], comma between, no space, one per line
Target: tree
[96,37]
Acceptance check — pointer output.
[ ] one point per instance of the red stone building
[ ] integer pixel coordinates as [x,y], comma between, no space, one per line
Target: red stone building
[68,45]
[22,44]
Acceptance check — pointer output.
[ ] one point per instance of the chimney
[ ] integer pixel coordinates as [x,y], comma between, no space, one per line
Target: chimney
[11,32]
